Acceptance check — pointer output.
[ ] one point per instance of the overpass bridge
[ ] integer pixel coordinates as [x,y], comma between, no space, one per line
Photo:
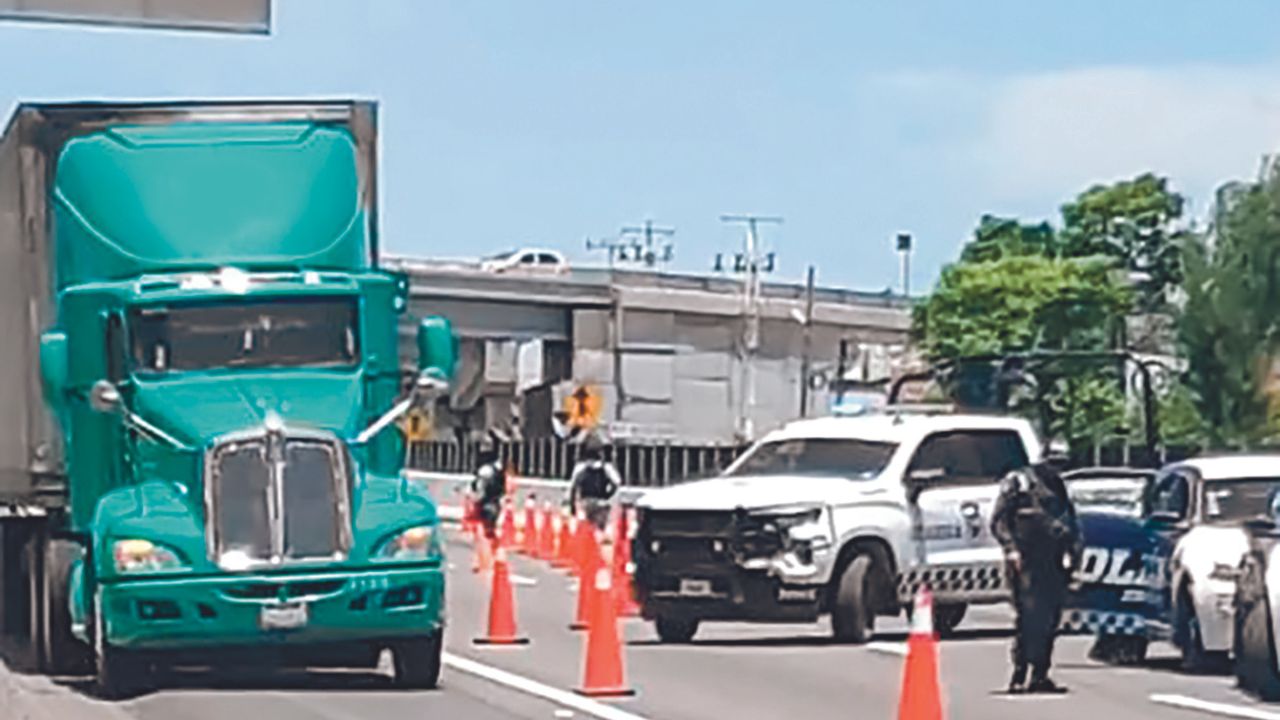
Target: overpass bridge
[661,354]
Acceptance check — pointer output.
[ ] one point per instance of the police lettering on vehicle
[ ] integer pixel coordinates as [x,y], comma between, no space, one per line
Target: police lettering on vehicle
[1118,566]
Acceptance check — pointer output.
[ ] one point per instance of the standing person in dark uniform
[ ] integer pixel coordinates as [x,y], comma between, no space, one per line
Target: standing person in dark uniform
[1036,526]
[488,487]
[593,483]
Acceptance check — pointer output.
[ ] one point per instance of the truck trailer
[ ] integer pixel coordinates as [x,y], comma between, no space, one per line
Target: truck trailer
[199,384]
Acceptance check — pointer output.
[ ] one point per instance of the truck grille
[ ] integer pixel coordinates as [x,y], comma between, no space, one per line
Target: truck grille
[690,536]
[689,523]
[275,498]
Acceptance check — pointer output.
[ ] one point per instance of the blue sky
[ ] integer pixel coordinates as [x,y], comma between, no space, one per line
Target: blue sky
[509,122]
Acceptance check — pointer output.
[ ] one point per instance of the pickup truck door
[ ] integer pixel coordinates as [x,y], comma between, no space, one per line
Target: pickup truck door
[953,514]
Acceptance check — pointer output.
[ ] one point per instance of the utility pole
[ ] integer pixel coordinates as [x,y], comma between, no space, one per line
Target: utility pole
[648,232]
[805,359]
[904,250]
[750,262]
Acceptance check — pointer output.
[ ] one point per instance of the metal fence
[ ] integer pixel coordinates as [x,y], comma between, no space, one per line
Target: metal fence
[652,465]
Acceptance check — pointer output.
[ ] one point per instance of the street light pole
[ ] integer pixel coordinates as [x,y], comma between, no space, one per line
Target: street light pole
[751,314]
[806,358]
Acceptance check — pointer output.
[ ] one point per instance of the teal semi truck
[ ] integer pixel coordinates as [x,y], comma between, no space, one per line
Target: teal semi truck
[200,380]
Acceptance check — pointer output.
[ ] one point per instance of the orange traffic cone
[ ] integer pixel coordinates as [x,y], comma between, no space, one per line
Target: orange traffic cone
[622,569]
[546,533]
[564,544]
[502,607]
[482,560]
[507,531]
[589,568]
[529,538]
[603,674]
[921,695]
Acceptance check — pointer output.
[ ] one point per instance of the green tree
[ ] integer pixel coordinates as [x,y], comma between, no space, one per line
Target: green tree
[1020,303]
[1138,222]
[1230,325]
[1000,237]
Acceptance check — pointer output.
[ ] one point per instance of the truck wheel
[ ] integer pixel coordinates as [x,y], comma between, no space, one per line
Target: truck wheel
[1195,659]
[32,570]
[1256,653]
[417,662]
[673,630]
[63,653]
[121,674]
[947,617]
[852,619]
[1119,649]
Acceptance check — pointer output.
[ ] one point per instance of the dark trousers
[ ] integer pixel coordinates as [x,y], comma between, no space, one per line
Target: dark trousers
[1039,589]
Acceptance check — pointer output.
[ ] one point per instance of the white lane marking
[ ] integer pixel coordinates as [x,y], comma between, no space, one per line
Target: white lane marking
[522,580]
[1214,708]
[888,648]
[562,713]
[532,687]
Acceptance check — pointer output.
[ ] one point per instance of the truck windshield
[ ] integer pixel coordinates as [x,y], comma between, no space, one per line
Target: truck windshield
[1240,499]
[304,332]
[858,459]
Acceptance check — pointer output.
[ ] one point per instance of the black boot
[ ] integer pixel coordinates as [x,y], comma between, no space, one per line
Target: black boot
[1042,684]
[1018,680]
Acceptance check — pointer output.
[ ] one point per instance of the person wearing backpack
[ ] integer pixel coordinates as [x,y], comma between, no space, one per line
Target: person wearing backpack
[1035,524]
[488,486]
[593,484]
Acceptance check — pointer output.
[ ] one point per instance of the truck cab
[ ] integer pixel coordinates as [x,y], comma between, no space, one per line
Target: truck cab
[847,516]
[212,454]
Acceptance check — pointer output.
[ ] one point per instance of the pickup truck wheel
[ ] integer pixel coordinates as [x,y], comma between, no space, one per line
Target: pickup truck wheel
[675,630]
[852,619]
[63,653]
[947,617]
[1195,659]
[417,662]
[1119,650]
[1256,652]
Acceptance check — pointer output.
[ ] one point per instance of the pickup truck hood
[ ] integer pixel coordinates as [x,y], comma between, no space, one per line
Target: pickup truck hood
[750,492]
[199,407]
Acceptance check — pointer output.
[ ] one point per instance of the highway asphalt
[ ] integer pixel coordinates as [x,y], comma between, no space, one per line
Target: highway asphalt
[735,671]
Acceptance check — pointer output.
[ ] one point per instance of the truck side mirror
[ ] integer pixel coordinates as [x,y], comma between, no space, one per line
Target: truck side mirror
[53,366]
[104,397]
[437,347]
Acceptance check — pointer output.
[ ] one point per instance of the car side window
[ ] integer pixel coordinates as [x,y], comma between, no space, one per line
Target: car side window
[548,259]
[1170,496]
[970,457]
[528,259]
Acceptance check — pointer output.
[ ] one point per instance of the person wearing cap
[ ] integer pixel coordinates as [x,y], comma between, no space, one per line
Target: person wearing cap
[488,487]
[593,483]
[1035,524]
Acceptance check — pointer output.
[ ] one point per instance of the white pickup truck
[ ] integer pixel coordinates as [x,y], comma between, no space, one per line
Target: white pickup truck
[846,516]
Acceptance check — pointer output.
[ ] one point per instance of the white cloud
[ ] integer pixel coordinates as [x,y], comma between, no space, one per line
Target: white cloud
[1050,135]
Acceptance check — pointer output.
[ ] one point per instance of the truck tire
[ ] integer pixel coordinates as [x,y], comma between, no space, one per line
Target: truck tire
[63,654]
[32,567]
[1119,649]
[120,673]
[1195,659]
[675,630]
[1255,662]
[947,617]
[852,618]
[417,662]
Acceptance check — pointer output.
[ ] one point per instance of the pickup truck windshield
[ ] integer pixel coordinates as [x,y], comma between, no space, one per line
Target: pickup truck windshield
[1239,499]
[305,332]
[858,459]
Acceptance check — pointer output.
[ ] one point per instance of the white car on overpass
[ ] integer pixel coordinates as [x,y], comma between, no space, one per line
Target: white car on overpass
[535,260]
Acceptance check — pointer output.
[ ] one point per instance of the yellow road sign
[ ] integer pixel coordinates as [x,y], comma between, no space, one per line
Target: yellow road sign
[417,426]
[583,407]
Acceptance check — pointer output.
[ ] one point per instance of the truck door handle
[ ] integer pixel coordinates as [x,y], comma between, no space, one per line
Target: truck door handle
[878,491]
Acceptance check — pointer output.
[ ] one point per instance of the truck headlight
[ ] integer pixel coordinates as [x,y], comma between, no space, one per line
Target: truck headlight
[415,543]
[133,555]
